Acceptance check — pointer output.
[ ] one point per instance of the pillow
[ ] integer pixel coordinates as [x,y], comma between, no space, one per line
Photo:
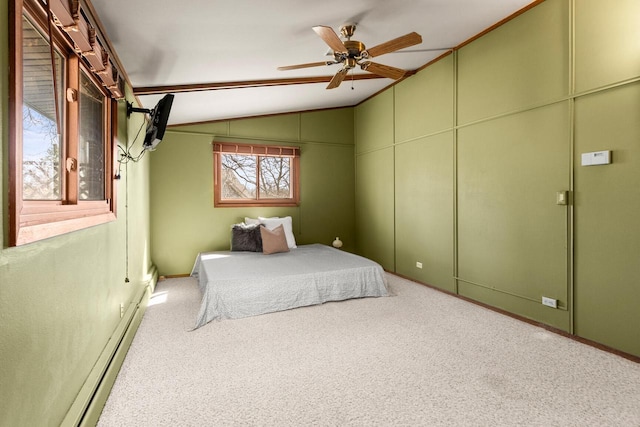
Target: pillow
[248,220]
[273,241]
[286,223]
[251,221]
[246,238]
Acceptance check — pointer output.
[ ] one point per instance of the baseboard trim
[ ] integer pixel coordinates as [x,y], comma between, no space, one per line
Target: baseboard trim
[174,276]
[87,407]
[549,328]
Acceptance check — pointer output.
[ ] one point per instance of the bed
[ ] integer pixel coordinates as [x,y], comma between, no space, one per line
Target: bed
[241,284]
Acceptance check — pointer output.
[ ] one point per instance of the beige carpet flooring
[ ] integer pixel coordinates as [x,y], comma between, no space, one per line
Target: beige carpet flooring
[418,358]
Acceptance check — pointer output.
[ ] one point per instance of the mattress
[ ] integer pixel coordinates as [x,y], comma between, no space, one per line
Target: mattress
[241,284]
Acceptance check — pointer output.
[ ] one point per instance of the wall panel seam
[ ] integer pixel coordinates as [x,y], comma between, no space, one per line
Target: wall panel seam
[569,97]
[570,207]
[502,291]
[423,136]
[455,172]
[374,150]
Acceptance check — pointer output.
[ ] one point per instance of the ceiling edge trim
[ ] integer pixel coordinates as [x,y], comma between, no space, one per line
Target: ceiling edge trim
[201,87]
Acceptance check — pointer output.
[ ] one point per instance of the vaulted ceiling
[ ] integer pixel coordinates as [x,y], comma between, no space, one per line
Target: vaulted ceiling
[221,58]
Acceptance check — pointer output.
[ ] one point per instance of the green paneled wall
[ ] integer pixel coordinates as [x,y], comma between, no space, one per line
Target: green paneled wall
[375,226]
[374,207]
[424,210]
[424,102]
[333,126]
[424,161]
[374,123]
[181,196]
[520,64]
[184,221]
[512,237]
[465,175]
[607,204]
[327,204]
[606,40]
[284,127]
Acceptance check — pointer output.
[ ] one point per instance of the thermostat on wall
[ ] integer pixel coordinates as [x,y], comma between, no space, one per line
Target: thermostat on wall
[596,158]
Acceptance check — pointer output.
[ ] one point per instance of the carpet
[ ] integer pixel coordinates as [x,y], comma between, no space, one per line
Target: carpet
[417,358]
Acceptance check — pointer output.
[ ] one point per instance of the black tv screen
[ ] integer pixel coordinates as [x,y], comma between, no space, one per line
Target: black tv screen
[158,123]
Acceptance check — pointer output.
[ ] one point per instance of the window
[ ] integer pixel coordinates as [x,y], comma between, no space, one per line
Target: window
[91,149]
[62,111]
[256,175]
[41,137]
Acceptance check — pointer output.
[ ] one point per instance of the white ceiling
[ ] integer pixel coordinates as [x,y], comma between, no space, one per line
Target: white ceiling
[167,43]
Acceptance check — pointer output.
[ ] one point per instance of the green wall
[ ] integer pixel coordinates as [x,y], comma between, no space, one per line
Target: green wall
[458,168]
[60,298]
[184,221]
[374,180]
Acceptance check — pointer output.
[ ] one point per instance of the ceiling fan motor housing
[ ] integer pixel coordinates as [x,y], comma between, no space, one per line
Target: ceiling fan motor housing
[354,48]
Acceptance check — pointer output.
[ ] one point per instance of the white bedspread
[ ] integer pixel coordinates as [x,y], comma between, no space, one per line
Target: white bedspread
[241,284]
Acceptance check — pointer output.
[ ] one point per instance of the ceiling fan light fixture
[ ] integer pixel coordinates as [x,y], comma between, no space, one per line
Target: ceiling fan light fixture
[350,53]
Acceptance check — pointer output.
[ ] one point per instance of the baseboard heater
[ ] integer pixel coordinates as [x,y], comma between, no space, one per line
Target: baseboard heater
[87,407]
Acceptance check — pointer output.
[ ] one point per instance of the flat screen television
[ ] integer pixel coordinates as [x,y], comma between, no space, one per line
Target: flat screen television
[158,123]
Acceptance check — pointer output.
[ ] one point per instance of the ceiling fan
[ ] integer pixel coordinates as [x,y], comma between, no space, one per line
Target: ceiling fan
[352,53]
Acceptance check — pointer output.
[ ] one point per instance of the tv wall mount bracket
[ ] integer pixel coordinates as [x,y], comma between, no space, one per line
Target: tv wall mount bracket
[132,109]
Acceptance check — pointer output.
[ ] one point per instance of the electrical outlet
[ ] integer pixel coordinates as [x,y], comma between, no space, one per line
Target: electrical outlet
[550,302]
[121,310]
[418,264]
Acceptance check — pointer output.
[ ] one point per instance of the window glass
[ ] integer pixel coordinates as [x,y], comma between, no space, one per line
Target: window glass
[91,147]
[238,176]
[274,177]
[41,149]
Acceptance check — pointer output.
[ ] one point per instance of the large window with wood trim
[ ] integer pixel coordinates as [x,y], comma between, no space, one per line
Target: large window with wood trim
[62,115]
[256,175]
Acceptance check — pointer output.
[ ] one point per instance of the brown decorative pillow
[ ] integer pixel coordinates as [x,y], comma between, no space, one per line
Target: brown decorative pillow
[273,241]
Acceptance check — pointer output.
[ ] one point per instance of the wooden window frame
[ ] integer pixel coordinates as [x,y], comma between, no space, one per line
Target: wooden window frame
[31,220]
[259,150]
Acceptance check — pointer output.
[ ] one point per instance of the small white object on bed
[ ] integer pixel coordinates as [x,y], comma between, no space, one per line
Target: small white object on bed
[242,284]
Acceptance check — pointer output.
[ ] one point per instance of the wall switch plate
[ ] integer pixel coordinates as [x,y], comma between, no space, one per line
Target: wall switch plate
[418,264]
[596,158]
[121,310]
[550,302]
[562,197]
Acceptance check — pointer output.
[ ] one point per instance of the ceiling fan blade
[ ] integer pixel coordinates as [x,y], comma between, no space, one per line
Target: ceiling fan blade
[330,38]
[338,78]
[383,70]
[308,65]
[395,44]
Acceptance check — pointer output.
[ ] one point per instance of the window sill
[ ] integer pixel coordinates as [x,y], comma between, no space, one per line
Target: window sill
[38,222]
[254,204]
